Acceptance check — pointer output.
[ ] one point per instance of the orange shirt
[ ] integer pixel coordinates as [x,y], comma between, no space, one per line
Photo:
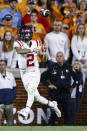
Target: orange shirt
[72,31]
[23,8]
[24,2]
[57,12]
[40,31]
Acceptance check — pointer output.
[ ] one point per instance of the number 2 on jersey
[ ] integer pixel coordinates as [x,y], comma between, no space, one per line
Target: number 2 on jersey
[30,60]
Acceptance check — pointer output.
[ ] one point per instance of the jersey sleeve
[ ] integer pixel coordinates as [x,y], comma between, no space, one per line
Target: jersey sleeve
[38,44]
[17,44]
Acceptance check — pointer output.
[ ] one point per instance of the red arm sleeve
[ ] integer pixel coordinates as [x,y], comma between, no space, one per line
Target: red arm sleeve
[44,21]
[26,19]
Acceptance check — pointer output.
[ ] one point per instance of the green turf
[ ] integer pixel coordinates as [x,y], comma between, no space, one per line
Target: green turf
[43,128]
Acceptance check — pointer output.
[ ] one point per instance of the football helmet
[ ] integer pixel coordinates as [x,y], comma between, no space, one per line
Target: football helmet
[26,30]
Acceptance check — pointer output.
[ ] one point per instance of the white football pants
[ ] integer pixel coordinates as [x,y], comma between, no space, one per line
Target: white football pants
[31,81]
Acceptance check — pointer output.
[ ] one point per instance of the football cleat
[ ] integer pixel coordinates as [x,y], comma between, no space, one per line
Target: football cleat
[23,113]
[55,108]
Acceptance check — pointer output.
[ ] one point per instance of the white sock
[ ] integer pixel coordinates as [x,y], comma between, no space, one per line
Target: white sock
[27,109]
[29,102]
[40,98]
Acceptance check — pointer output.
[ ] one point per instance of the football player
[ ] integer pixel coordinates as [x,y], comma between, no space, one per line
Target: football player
[28,50]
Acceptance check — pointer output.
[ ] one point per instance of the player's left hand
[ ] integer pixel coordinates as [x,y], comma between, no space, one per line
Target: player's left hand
[44,48]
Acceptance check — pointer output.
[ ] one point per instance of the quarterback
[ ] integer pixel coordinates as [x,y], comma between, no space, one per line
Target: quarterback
[28,50]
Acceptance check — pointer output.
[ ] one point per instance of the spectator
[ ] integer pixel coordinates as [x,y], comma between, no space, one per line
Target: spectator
[44,4]
[54,12]
[39,30]
[4,4]
[56,41]
[73,14]
[59,75]
[44,21]
[72,30]
[16,15]
[7,94]
[65,4]
[78,1]
[62,1]
[79,45]
[83,6]
[67,19]
[83,9]
[8,23]
[23,6]
[76,93]
[65,28]
[7,51]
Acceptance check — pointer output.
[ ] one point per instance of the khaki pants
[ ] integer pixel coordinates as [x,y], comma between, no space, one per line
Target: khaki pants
[8,112]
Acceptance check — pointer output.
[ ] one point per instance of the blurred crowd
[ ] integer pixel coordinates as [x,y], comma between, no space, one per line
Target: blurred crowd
[66,25]
[63,30]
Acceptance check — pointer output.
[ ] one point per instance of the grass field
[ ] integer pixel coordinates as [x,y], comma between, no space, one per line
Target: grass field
[44,128]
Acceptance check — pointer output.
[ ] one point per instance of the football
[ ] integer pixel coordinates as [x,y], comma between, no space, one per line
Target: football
[44,12]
